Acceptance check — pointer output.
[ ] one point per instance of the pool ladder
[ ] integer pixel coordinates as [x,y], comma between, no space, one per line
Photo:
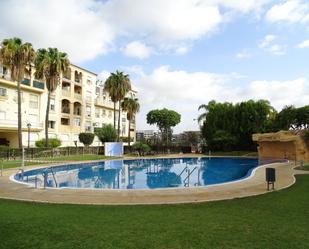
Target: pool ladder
[186,181]
[45,175]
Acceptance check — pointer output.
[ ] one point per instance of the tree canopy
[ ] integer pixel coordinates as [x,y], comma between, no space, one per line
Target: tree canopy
[106,134]
[229,126]
[165,119]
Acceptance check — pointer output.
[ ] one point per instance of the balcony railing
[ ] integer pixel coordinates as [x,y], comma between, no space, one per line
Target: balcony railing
[13,124]
[38,84]
[78,96]
[26,82]
[66,93]
[65,110]
[100,101]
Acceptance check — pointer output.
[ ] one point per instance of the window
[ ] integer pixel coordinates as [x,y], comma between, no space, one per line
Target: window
[88,96]
[88,126]
[97,113]
[3,92]
[103,113]
[96,124]
[124,120]
[76,121]
[97,90]
[2,115]
[34,101]
[51,124]
[110,114]
[88,111]
[65,121]
[52,104]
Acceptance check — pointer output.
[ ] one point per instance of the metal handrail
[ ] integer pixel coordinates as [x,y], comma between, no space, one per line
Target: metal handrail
[183,170]
[53,174]
[188,176]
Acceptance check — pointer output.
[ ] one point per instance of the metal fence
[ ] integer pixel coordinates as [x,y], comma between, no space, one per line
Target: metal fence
[45,153]
[35,153]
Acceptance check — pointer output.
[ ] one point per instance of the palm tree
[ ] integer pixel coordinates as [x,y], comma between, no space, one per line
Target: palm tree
[110,87]
[131,106]
[50,65]
[117,85]
[18,57]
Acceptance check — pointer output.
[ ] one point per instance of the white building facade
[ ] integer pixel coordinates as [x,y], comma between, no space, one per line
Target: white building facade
[79,104]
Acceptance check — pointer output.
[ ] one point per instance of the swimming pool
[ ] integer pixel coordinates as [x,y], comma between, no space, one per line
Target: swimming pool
[141,173]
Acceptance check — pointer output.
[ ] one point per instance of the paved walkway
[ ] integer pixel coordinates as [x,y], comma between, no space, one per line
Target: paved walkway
[254,185]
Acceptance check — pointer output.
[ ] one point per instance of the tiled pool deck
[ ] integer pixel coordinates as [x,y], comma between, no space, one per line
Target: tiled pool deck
[254,185]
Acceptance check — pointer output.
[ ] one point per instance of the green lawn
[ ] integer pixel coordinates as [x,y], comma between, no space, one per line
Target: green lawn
[15,164]
[276,220]
[306,167]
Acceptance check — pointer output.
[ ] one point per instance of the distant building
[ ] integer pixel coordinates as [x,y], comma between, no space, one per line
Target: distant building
[187,138]
[146,135]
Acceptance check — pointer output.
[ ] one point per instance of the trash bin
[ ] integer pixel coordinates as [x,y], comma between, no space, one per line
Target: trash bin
[270,177]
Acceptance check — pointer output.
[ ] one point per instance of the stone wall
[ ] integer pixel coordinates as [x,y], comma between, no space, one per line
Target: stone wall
[282,145]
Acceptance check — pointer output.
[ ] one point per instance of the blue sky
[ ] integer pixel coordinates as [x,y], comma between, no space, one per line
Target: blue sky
[179,53]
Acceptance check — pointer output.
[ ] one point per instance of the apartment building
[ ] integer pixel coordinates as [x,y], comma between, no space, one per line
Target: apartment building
[79,104]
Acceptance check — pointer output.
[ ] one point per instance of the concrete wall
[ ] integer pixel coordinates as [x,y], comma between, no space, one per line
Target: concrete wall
[282,145]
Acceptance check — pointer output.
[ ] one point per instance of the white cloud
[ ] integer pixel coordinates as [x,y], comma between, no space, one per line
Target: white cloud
[163,21]
[181,50]
[88,28]
[290,11]
[73,26]
[185,91]
[137,49]
[243,54]
[280,93]
[268,44]
[267,40]
[304,44]
[277,49]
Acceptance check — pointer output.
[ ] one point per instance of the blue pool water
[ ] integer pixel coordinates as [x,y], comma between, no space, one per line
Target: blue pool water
[142,173]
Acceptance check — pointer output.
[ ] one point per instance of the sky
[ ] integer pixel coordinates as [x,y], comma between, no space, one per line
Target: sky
[179,54]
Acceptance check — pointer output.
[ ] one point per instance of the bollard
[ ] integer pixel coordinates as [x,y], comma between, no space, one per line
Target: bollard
[301,164]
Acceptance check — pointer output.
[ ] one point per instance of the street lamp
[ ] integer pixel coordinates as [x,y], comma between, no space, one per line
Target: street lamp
[28,126]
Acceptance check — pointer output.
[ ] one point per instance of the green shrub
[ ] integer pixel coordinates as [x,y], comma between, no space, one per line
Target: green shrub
[86,138]
[4,147]
[106,134]
[141,148]
[52,143]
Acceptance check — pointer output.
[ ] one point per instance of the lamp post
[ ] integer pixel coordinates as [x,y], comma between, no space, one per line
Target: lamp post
[28,126]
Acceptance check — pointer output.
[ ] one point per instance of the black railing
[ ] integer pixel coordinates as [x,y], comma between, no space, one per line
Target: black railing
[45,153]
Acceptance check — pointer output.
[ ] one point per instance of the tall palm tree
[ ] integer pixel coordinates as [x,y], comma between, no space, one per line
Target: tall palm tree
[18,57]
[117,85]
[50,64]
[110,87]
[131,106]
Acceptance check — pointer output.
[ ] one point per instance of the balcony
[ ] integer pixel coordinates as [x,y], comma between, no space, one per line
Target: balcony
[7,124]
[25,82]
[38,84]
[66,93]
[100,102]
[78,96]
